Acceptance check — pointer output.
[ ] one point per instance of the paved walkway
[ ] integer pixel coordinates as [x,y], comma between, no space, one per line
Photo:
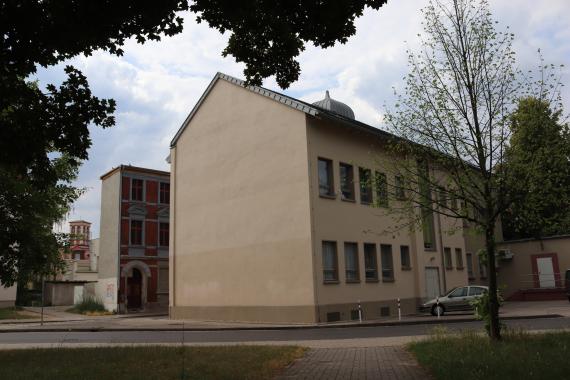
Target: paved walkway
[382,363]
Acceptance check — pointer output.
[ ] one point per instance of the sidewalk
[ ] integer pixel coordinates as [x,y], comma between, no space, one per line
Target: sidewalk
[56,319]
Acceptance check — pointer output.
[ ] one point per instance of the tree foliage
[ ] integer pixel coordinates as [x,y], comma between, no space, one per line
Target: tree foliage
[453,124]
[538,159]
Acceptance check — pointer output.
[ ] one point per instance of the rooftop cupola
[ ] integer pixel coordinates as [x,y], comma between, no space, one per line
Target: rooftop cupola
[335,106]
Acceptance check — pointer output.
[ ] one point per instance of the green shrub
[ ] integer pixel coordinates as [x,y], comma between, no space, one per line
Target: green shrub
[90,304]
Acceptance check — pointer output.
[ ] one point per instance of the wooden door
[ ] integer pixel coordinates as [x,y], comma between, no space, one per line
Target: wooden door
[134,290]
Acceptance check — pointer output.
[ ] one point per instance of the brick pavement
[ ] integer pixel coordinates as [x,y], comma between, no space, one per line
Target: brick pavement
[382,363]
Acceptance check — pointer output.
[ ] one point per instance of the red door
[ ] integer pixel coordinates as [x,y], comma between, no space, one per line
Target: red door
[134,290]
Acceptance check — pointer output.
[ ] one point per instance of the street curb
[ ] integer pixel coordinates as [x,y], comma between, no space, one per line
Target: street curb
[273,328]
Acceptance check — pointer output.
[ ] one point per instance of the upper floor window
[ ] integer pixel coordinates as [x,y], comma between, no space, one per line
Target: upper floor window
[136,232]
[347,181]
[381,189]
[164,193]
[447,258]
[326,184]
[405,257]
[399,188]
[458,258]
[469,258]
[163,234]
[137,189]
[365,180]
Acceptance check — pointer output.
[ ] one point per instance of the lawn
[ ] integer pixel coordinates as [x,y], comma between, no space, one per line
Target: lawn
[151,362]
[472,356]
[12,313]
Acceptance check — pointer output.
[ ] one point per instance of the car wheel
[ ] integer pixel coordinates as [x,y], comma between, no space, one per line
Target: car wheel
[434,310]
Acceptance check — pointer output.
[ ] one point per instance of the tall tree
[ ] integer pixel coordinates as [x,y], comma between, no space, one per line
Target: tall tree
[538,159]
[453,125]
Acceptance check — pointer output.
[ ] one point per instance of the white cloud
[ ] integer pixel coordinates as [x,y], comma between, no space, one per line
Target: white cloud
[158,83]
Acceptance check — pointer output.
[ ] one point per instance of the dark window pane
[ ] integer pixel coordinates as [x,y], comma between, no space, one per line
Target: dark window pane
[405,256]
[381,189]
[325,177]
[163,234]
[347,181]
[387,262]
[399,190]
[137,189]
[364,176]
[351,262]
[469,258]
[458,258]
[370,261]
[136,232]
[330,262]
[164,193]
[447,258]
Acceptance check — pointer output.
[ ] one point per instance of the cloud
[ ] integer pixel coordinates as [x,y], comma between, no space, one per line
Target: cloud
[158,83]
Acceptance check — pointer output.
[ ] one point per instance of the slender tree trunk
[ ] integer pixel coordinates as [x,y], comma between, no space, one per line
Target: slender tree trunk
[494,327]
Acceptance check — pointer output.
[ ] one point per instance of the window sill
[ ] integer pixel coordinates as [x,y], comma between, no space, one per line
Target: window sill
[352,281]
[406,268]
[448,268]
[430,250]
[483,278]
[365,203]
[326,196]
[388,280]
[348,200]
[471,278]
[372,280]
[459,268]
[331,282]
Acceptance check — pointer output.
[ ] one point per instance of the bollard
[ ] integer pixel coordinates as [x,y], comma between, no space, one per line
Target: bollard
[399,311]
[437,307]
[359,312]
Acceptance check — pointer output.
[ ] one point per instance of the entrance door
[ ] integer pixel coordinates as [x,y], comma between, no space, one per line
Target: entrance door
[432,283]
[134,290]
[545,272]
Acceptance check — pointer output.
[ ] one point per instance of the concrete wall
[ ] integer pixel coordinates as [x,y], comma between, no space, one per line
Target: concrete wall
[108,263]
[7,296]
[518,275]
[241,236]
[345,221]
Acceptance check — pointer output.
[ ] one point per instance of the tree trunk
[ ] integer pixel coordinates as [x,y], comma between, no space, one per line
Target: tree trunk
[494,327]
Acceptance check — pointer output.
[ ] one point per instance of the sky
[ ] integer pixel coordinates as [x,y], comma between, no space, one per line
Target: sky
[157,84]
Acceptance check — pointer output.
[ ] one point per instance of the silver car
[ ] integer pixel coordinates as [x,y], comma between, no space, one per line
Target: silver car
[458,299]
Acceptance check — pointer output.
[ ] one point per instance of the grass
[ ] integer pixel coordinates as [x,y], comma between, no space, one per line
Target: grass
[89,306]
[13,313]
[519,355]
[151,362]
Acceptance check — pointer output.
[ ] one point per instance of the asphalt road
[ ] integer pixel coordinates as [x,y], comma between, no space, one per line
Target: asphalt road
[263,335]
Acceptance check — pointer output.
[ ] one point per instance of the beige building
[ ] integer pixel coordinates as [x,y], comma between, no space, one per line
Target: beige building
[273,219]
[7,296]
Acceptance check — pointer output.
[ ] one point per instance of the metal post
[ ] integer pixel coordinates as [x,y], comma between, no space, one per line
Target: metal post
[437,307]
[399,311]
[43,298]
[359,312]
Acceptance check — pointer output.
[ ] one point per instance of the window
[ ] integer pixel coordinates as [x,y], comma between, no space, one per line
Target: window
[347,181]
[351,262]
[387,263]
[164,193]
[381,189]
[469,258]
[482,268]
[163,234]
[364,176]
[137,189]
[326,184]
[458,258]
[459,292]
[476,290]
[399,190]
[136,232]
[447,258]
[405,257]
[370,262]
[330,262]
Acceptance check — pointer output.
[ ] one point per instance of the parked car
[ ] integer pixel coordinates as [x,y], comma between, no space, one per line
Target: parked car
[567,280]
[457,299]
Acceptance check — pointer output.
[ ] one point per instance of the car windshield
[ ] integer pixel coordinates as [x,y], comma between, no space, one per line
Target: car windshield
[451,291]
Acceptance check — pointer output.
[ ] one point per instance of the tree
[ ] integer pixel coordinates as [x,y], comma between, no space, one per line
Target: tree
[538,159]
[452,125]
[41,129]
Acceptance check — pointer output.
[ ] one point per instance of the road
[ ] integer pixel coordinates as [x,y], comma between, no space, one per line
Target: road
[7,338]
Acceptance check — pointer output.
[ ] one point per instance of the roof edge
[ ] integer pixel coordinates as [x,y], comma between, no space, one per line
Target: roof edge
[134,169]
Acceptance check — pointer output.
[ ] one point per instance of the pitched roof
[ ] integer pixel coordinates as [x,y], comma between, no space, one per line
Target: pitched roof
[297,104]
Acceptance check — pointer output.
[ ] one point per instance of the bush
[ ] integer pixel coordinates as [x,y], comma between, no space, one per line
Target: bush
[90,304]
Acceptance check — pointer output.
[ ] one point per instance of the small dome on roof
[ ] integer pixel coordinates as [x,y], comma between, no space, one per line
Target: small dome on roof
[335,106]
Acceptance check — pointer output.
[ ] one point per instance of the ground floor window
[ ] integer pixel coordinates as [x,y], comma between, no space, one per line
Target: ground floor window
[330,262]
